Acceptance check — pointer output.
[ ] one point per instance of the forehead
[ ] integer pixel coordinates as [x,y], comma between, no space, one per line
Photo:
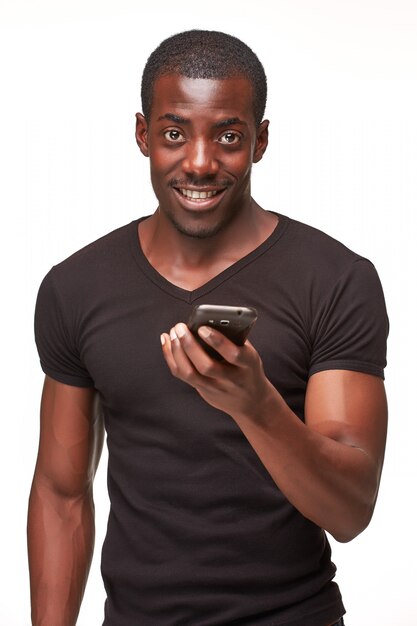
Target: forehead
[229,97]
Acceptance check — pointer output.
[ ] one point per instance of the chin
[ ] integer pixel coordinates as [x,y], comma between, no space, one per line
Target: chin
[198,230]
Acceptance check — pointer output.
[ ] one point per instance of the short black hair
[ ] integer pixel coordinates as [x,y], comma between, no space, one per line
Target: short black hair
[205,54]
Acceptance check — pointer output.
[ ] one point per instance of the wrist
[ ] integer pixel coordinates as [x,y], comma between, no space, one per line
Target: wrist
[267,407]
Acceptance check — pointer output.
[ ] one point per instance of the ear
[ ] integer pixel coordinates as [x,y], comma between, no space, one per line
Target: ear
[142,134]
[261,141]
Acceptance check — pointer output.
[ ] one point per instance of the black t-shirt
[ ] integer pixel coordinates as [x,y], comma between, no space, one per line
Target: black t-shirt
[199,534]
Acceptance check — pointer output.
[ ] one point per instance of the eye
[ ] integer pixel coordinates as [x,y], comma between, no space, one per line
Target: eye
[230,138]
[173,135]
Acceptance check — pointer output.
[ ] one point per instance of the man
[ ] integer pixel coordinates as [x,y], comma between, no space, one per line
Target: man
[223,474]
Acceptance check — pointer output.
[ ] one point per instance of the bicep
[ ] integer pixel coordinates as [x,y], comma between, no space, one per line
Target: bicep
[349,407]
[71,435]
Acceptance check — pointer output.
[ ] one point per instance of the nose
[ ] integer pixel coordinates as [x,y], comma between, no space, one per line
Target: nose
[200,159]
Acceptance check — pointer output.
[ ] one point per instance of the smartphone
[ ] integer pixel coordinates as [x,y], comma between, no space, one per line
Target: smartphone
[235,322]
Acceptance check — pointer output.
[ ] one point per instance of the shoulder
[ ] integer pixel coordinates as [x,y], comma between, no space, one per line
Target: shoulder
[312,242]
[92,272]
[319,275]
[341,300]
[315,255]
[105,247]
[95,260]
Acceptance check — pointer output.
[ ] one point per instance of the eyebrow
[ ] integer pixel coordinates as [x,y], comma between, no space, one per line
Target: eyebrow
[174,118]
[231,121]
[178,119]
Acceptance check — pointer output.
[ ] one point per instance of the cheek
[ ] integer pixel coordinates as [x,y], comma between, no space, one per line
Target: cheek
[162,165]
[240,166]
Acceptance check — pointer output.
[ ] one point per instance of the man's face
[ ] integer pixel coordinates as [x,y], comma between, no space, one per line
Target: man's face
[202,140]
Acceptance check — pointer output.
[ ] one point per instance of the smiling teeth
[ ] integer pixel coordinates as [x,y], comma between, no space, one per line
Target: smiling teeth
[197,195]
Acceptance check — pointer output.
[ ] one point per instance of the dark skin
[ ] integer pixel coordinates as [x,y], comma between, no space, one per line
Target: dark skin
[202,140]
[61,508]
[191,139]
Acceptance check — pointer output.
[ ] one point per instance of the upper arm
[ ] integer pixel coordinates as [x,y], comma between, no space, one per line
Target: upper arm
[71,436]
[349,407]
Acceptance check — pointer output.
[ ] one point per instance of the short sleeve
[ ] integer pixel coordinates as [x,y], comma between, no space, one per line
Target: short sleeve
[351,328]
[57,347]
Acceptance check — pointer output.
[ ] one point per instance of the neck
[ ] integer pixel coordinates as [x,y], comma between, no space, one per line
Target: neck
[189,261]
[160,236]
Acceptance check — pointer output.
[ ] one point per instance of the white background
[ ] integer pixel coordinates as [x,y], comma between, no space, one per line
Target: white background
[342,156]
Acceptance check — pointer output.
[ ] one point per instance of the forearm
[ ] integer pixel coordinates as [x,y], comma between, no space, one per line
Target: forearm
[330,482]
[329,467]
[60,547]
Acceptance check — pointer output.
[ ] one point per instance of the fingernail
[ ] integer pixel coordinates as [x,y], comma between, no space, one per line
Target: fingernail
[173,335]
[180,329]
[204,332]
[162,340]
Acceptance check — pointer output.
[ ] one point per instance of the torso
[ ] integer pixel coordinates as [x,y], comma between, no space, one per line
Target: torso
[186,487]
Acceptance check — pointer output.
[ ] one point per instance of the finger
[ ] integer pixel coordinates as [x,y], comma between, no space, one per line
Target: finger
[203,363]
[233,354]
[182,366]
[167,352]
[171,354]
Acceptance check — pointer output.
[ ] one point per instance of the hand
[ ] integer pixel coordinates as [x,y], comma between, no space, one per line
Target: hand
[237,385]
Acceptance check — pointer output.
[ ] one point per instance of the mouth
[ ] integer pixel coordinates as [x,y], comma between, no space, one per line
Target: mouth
[194,197]
[199,195]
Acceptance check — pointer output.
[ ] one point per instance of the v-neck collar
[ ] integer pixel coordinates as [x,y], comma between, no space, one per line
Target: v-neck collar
[213,283]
